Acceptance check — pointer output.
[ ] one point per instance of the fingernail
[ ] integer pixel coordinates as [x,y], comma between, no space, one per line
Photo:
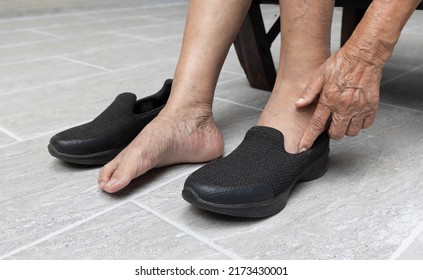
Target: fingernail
[303,150]
[301,100]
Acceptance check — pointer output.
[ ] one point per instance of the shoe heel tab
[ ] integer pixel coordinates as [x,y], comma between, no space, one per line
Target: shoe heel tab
[164,92]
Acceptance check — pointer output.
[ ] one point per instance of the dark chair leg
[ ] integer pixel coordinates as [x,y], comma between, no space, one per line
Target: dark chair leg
[350,18]
[253,50]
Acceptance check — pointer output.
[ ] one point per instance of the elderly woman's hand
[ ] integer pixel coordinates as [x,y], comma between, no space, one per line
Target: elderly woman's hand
[346,89]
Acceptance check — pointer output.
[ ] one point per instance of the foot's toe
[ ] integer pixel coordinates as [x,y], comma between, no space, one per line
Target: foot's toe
[106,172]
[119,172]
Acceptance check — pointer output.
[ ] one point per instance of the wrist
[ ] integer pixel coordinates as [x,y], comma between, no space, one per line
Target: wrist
[376,35]
[370,49]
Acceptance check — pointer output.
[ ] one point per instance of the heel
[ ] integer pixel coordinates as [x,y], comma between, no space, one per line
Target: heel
[316,170]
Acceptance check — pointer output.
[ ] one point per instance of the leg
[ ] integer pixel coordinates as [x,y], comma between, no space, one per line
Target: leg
[305,45]
[256,178]
[185,130]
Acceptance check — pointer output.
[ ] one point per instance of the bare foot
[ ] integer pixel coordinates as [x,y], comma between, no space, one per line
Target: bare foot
[281,113]
[170,138]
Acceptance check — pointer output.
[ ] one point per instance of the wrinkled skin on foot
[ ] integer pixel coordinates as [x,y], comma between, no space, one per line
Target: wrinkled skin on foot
[170,138]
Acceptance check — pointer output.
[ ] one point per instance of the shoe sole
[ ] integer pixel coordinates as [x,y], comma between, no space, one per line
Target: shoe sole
[100,158]
[263,208]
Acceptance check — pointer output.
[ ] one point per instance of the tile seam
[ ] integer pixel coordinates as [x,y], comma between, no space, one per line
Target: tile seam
[408,241]
[45,33]
[10,134]
[139,38]
[400,75]
[42,134]
[239,104]
[86,76]
[83,221]
[27,43]
[70,53]
[61,231]
[402,107]
[191,233]
[85,63]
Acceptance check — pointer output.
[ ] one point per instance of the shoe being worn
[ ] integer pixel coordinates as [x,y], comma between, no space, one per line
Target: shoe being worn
[99,141]
[256,178]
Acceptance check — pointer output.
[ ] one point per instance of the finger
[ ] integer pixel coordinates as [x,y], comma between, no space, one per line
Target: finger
[106,173]
[369,120]
[355,126]
[315,127]
[338,126]
[312,90]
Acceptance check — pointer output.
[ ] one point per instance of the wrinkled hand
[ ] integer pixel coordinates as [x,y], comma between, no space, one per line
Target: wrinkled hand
[347,91]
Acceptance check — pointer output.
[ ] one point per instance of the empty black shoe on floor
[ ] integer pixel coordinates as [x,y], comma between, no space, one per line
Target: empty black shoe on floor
[99,141]
[256,178]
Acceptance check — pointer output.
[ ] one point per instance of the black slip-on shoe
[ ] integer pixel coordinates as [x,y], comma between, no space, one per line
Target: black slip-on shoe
[256,178]
[99,141]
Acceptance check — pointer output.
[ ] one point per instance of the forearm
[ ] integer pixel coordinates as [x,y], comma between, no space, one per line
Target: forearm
[376,35]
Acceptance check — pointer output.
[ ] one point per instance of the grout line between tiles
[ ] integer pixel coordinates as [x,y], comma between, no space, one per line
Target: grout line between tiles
[239,104]
[402,107]
[233,72]
[191,233]
[41,135]
[69,53]
[85,63]
[87,76]
[26,60]
[11,134]
[400,75]
[27,43]
[53,83]
[111,10]
[406,243]
[46,33]
[86,14]
[139,38]
[90,189]
[62,230]
[76,224]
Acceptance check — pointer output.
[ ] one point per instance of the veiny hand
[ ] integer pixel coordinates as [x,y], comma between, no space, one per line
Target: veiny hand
[348,87]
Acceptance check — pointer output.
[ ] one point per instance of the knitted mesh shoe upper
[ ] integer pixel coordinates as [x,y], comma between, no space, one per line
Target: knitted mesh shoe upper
[257,170]
[115,127]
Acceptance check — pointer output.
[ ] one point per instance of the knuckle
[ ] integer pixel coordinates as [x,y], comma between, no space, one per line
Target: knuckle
[317,124]
[335,134]
[367,124]
[353,132]
[308,90]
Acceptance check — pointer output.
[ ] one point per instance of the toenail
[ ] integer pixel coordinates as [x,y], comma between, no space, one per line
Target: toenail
[303,150]
[110,183]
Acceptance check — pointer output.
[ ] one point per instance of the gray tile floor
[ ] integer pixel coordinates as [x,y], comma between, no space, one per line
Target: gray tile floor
[57,71]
